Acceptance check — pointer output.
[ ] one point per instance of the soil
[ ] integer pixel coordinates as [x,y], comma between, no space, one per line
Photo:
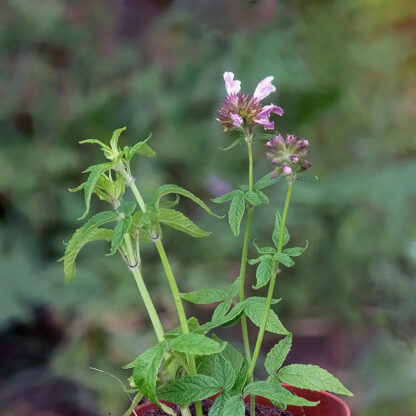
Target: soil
[206,405]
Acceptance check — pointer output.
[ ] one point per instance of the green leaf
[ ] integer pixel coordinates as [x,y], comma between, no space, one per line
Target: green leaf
[276,232]
[262,196]
[225,198]
[205,296]
[264,271]
[277,355]
[217,367]
[264,250]
[169,204]
[95,173]
[234,288]
[266,181]
[254,199]
[233,406]
[235,143]
[180,222]
[295,251]
[175,189]
[233,314]
[217,408]
[87,233]
[254,308]
[78,188]
[120,229]
[252,262]
[222,309]
[140,148]
[311,377]
[196,344]
[275,392]
[241,378]
[193,326]
[284,259]
[103,146]
[126,208]
[114,139]
[236,212]
[188,389]
[146,368]
[232,355]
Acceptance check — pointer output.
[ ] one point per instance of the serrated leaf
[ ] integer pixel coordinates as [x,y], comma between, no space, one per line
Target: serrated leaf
[284,259]
[95,173]
[252,262]
[254,309]
[222,309]
[276,232]
[277,393]
[114,139]
[232,355]
[295,251]
[88,232]
[175,189]
[236,212]
[264,271]
[311,377]
[262,196]
[196,344]
[241,379]
[234,406]
[233,314]
[253,198]
[126,207]
[205,296]
[140,148]
[225,198]
[235,143]
[120,229]
[188,389]
[234,288]
[217,408]
[264,250]
[266,181]
[146,368]
[217,367]
[180,222]
[277,355]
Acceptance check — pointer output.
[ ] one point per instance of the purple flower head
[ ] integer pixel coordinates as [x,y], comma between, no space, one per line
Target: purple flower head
[239,111]
[288,155]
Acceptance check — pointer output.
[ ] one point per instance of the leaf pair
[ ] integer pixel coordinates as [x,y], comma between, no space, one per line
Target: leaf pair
[309,377]
[241,197]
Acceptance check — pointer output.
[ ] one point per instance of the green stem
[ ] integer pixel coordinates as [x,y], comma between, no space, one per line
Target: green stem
[135,269]
[244,253]
[172,282]
[271,287]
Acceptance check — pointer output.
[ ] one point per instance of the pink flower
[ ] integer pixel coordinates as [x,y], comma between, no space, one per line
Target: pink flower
[239,111]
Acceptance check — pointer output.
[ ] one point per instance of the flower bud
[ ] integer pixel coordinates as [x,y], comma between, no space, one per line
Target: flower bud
[291,139]
[287,170]
[294,159]
[302,144]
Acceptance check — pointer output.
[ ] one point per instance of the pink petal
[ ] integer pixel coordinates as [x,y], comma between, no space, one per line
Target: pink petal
[237,120]
[265,122]
[232,87]
[264,88]
[268,109]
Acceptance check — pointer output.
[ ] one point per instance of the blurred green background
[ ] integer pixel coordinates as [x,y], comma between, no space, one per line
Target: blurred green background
[345,73]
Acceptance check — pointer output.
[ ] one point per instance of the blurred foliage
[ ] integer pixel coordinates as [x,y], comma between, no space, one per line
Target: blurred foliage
[345,74]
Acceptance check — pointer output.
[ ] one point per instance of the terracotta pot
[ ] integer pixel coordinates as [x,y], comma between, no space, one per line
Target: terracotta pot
[329,405]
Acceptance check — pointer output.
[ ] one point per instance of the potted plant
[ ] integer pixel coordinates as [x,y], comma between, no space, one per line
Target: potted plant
[188,365]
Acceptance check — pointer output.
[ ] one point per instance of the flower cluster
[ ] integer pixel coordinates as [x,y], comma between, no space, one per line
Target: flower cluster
[239,111]
[288,155]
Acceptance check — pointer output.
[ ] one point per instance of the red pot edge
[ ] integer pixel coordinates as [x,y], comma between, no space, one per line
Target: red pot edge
[145,407]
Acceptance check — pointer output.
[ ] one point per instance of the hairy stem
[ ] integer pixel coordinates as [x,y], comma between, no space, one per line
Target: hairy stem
[171,279]
[134,267]
[271,287]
